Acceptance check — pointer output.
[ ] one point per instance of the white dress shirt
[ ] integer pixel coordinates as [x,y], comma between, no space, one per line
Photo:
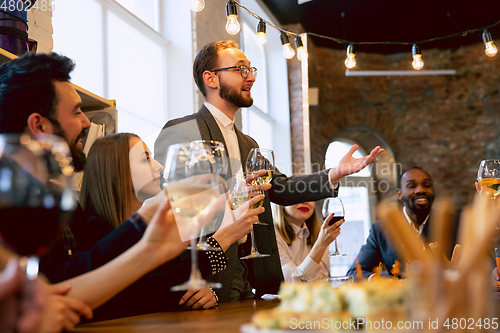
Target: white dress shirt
[295,260]
[226,126]
[421,227]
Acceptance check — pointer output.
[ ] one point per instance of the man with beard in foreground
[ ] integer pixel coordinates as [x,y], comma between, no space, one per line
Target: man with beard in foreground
[225,77]
[416,189]
[37,98]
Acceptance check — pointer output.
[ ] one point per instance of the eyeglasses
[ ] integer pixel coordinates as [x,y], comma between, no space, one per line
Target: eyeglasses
[244,70]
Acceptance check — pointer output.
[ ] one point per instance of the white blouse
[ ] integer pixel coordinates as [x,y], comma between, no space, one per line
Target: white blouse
[295,260]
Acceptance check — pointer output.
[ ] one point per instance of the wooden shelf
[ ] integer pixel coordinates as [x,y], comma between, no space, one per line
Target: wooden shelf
[90,101]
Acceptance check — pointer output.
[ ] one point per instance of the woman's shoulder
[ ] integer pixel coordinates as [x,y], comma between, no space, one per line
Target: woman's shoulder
[88,228]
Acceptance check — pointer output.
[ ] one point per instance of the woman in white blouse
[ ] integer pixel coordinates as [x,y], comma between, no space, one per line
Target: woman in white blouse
[303,241]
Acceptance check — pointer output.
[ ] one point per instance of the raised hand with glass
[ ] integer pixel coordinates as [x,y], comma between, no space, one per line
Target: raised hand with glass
[242,190]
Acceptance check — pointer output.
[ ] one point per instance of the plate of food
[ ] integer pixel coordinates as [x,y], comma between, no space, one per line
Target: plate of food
[316,306]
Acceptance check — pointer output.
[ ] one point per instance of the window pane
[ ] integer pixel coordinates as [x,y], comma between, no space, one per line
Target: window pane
[354,230]
[146,10]
[260,129]
[136,78]
[83,42]
[337,149]
[255,53]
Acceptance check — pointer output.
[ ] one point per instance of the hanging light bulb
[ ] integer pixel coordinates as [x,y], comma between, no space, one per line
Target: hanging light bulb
[288,51]
[197,5]
[232,25]
[301,50]
[491,49]
[261,32]
[417,63]
[350,61]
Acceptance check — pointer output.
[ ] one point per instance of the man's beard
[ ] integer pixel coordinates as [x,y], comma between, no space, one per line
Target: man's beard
[230,95]
[419,212]
[79,158]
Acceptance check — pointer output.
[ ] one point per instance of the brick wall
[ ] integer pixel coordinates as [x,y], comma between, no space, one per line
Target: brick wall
[445,124]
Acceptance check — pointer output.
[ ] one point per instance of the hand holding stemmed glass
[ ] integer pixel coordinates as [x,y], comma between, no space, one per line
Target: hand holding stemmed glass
[260,168]
[243,190]
[192,185]
[335,207]
[36,197]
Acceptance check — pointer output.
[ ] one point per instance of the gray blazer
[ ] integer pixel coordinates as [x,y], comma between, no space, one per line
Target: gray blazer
[265,274]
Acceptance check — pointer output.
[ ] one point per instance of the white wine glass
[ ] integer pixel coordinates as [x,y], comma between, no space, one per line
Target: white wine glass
[336,207]
[220,168]
[241,191]
[261,159]
[36,196]
[192,185]
[488,177]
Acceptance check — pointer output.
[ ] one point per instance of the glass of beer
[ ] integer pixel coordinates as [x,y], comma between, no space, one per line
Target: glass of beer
[488,177]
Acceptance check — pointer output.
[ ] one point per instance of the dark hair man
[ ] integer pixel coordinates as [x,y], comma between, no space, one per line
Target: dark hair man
[36,96]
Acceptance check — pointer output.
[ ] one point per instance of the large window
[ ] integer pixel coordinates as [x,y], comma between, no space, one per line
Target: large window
[268,120]
[145,10]
[118,55]
[256,121]
[357,195]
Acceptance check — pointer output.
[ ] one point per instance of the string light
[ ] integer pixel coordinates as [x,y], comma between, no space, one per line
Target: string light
[350,60]
[301,50]
[197,5]
[417,63]
[491,49]
[232,25]
[261,32]
[288,51]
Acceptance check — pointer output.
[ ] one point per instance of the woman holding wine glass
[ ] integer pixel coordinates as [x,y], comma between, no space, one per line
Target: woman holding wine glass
[303,240]
[119,164]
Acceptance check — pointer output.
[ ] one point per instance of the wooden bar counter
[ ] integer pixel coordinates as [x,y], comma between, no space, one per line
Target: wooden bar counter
[227,317]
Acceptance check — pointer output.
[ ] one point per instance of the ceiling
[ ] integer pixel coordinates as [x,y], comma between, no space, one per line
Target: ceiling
[390,20]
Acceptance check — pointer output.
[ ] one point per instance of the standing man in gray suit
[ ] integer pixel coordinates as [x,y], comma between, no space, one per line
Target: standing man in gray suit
[225,77]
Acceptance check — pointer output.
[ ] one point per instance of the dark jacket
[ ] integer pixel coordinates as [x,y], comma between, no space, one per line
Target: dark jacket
[378,249]
[265,274]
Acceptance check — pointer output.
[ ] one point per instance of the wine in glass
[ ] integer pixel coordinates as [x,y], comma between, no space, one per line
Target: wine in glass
[261,159]
[219,167]
[336,207]
[192,186]
[36,197]
[241,191]
[488,177]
